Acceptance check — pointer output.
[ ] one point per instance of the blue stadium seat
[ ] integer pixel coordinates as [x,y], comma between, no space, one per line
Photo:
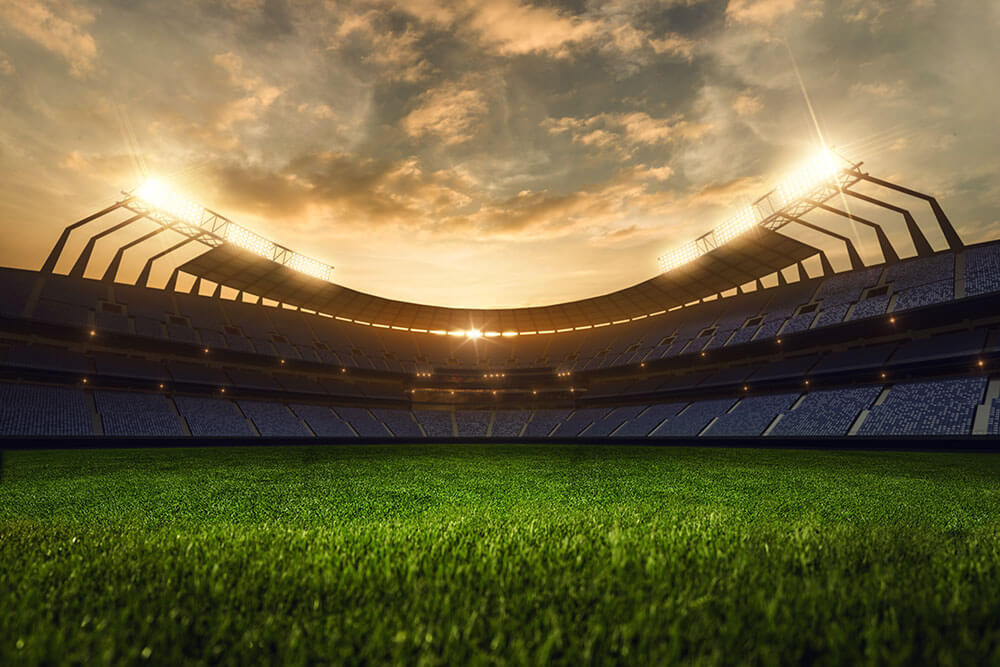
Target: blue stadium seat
[543,422]
[273,419]
[939,407]
[982,270]
[694,418]
[925,295]
[212,416]
[136,415]
[472,423]
[647,420]
[362,421]
[827,412]
[323,421]
[509,423]
[399,422]
[436,423]
[751,416]
[30,409]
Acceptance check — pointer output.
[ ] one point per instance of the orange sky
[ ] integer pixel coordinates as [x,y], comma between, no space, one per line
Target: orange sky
[483,154]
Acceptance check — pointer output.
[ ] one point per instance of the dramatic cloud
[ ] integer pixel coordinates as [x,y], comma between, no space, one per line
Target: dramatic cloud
[451,112]
[485,153]
[57,26]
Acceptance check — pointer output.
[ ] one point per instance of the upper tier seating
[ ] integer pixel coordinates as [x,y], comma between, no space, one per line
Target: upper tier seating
[279,333]
[982,270]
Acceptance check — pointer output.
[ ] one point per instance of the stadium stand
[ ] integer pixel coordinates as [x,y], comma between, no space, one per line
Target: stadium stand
[436,423]
[825,413]
[694,418]
[323,422]
[400,422]
[212,416]
[273,419]
[472,423]
[137,415]
[647,421]
[941,407]
[751,416]
[362,422]
[737,366]
[27,409]
[509,423]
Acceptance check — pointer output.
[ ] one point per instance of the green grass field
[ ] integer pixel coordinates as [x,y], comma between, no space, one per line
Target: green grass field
[465,554]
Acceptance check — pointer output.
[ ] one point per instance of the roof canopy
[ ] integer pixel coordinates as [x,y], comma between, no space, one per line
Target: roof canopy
[752,255]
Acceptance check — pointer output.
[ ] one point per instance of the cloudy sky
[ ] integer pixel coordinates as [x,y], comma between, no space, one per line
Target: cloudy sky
[497,153]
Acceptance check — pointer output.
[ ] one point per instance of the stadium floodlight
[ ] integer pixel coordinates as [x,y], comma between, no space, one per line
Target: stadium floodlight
[157,195]
[162,199]
[800,183]
[820,169]
[310,266]
[678,256]
[742,222]
[248,240]
[473,333]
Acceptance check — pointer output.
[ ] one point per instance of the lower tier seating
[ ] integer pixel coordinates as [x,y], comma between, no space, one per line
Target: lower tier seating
[935,407]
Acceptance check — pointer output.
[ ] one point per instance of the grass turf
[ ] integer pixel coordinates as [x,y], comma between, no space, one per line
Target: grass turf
[497,554]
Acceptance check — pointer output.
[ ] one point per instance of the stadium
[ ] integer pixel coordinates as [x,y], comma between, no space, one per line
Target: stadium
[722,344]
[512,332]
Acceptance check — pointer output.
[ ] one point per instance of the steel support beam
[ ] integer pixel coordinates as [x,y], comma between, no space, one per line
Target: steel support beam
[954,242]
[852,252]
[112,271]
[148,266]
[81,262]
[53,258]
[888,252]
[920,243]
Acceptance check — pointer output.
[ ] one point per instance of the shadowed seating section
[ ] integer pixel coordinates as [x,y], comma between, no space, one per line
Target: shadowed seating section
[693,419]
[273,419]
[648,420]
[436,423]
[509,423]
[322,421]
[543,422]
[212,416]
[751,416]
[134,414]
[362,421]
[472,423]
[400,422]
[27,409]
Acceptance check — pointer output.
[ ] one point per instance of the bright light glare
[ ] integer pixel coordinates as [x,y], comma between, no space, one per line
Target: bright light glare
[678,256]
[310,266]
[159,196]
[244,238]
[820,169]
[473,333]
[742,222]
